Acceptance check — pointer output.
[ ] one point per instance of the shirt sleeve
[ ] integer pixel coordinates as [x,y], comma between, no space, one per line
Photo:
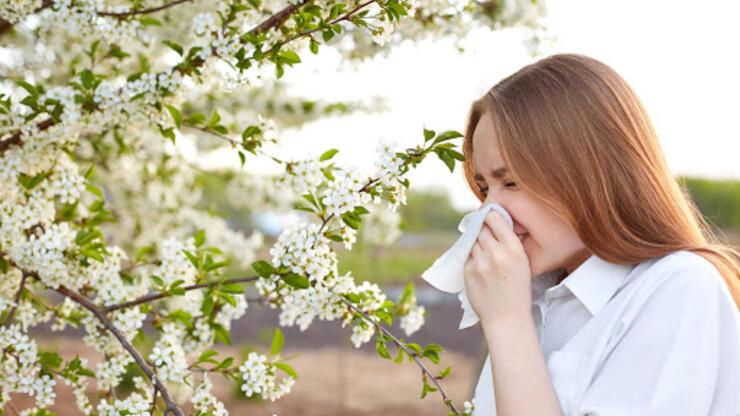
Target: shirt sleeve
[680,355]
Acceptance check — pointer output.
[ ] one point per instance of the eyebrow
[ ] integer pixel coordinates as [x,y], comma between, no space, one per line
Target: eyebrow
[496,173]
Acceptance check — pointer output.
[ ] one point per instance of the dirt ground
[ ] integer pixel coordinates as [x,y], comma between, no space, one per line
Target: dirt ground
[332,381]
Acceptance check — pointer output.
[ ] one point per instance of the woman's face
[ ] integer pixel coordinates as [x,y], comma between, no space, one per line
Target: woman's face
[548,241]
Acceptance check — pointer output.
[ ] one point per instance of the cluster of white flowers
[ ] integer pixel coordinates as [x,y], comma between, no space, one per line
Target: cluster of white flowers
[79,388]
[168,355]
[204,402]
[303,249]
[204,24]
[302,306]
[19,371]
[362,332]
[45,254]
[83,15]
[134,405]
[105,277]
[371,298]
[259,376]
[109,372]
[65,182]
[388,168]
[175,265]
[469,406]
[413,319]
[303,175]
[343,192]
[14,10]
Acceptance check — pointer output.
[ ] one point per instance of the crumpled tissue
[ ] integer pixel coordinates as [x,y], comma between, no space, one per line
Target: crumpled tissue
[447,271]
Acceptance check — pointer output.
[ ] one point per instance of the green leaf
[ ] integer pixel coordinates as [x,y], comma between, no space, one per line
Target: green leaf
[205,357]
[445,157]
[196,118]
[444,373]
[158,280]
[288,57]
[87,78]
[263,268]
[89,171]
[149,21]
[176,115]
[428,134]
[408,293]
[226,363]
[30,88]
[175,47]
[286,368]
[232,288]
[91,253]
[194,260]
[215,118]
[381,348]
[50,359]
[296,280]
[399,357]
[94,190]
[207,306]
[250,131]
[200,237]
[328,154]
[278,339]
[351,221]
[313,46]
[432,351]
[221,334]
[446,135]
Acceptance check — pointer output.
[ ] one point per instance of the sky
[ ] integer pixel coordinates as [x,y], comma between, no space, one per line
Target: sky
[676,55]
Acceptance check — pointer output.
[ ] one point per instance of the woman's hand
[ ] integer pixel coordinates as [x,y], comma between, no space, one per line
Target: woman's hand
[497,275]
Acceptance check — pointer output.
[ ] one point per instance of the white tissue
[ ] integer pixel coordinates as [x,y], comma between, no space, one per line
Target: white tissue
[447,272]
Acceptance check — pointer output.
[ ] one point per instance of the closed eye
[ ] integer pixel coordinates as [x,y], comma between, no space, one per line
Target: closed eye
[483,190]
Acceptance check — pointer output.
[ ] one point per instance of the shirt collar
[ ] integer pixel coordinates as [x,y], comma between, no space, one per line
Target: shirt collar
[593,283]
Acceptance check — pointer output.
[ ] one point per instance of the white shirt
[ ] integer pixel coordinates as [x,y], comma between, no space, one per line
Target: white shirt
[658,338]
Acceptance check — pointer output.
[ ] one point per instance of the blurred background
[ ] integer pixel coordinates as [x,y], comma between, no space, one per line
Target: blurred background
[676,55]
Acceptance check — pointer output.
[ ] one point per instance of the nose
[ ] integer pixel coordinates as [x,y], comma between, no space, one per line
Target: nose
[518,229]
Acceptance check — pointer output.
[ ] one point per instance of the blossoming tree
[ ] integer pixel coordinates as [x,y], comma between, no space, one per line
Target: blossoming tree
[100,226]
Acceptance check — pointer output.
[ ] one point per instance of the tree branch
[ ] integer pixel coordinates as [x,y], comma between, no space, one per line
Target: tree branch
[90,306]
[403,346]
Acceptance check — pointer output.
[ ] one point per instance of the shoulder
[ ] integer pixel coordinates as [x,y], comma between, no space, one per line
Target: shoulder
[679,283]
[681,269]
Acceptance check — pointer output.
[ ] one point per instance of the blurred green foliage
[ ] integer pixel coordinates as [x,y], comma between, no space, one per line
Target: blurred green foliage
[718,200]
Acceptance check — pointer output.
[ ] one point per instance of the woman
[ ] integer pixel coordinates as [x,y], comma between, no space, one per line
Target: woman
[611,295]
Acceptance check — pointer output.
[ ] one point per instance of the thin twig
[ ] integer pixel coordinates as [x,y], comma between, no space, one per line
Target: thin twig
[157,296]
[122,15]
[408,351]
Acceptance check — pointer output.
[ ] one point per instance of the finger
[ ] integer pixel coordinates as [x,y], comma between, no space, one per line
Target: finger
[502,232]
[477,249]
[486,238]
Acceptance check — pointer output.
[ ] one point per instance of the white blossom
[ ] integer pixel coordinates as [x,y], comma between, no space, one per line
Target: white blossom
[259,377]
